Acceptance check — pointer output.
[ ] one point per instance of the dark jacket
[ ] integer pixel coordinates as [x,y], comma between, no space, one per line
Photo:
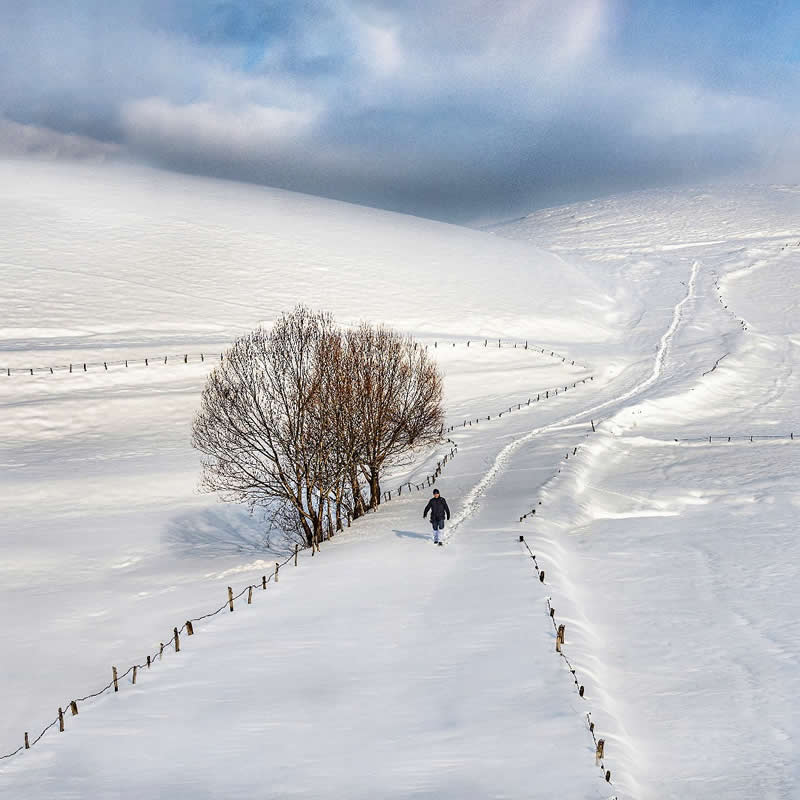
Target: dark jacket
[438,508]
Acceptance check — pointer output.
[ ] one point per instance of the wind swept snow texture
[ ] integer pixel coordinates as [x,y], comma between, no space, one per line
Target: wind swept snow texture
[676,564]
[111,259]
[387,669]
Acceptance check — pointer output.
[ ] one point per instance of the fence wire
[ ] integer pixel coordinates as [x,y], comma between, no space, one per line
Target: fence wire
[79,367]
[150,660]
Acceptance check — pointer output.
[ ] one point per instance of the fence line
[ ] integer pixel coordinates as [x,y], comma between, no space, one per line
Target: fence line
[547,393]
[560,630]
[755,437]
[193,358]
[174,642]
[430,480]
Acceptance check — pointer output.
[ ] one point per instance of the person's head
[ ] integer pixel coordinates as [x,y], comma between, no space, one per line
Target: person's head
[435,492]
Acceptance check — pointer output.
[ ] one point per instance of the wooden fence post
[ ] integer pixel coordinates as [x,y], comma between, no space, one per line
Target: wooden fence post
[27,743]
[230,598]
[296,547]
[249,595]
[133,680]
[73,707]
[177,638]
[189,628]
[277,567]
[114,674]
[161,651]
[541,576]
[559,638]
[593,428]
[61,720]
[148,662]
[599,753]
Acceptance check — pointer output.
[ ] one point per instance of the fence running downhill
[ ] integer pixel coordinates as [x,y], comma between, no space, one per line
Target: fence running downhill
[173,644]
[560,633]
[430,480]
[545,394]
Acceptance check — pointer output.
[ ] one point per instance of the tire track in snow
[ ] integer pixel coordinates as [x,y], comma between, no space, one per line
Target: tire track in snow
[471,502]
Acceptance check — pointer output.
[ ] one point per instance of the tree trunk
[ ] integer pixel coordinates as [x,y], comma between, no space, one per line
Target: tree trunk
[330,523]
[308,532]
[374,489]
[318,528]
[359,506]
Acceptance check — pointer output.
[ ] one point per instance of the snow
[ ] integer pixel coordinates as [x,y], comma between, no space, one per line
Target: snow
[385,666]
[678,559]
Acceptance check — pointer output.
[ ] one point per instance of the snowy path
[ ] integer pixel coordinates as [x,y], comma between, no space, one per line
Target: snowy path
[615,402]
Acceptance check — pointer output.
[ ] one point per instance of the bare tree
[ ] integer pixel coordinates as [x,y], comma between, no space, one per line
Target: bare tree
[299,418]
[397,399]
[342,400]
[259,426]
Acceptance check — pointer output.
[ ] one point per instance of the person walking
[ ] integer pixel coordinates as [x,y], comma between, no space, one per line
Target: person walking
[438,507]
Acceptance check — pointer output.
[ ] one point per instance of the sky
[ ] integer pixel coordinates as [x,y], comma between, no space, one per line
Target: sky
[466,111]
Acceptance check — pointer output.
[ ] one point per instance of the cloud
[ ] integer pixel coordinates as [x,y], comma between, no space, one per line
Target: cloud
[241,132]
[34,140]
[459,111]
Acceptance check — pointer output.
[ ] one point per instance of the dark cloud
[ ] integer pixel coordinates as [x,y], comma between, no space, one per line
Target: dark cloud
[456,111]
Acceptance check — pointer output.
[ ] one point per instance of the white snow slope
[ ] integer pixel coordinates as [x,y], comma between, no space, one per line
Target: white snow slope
[384,667]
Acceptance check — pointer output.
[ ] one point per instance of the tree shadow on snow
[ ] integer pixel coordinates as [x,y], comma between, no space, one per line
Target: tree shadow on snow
[411,535]
[228,530]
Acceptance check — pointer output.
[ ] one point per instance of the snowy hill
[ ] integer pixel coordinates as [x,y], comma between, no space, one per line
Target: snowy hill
[385,667]
[679,525]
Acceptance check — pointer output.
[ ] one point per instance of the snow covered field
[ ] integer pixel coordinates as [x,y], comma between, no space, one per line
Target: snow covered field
[384,667]
[678,560]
